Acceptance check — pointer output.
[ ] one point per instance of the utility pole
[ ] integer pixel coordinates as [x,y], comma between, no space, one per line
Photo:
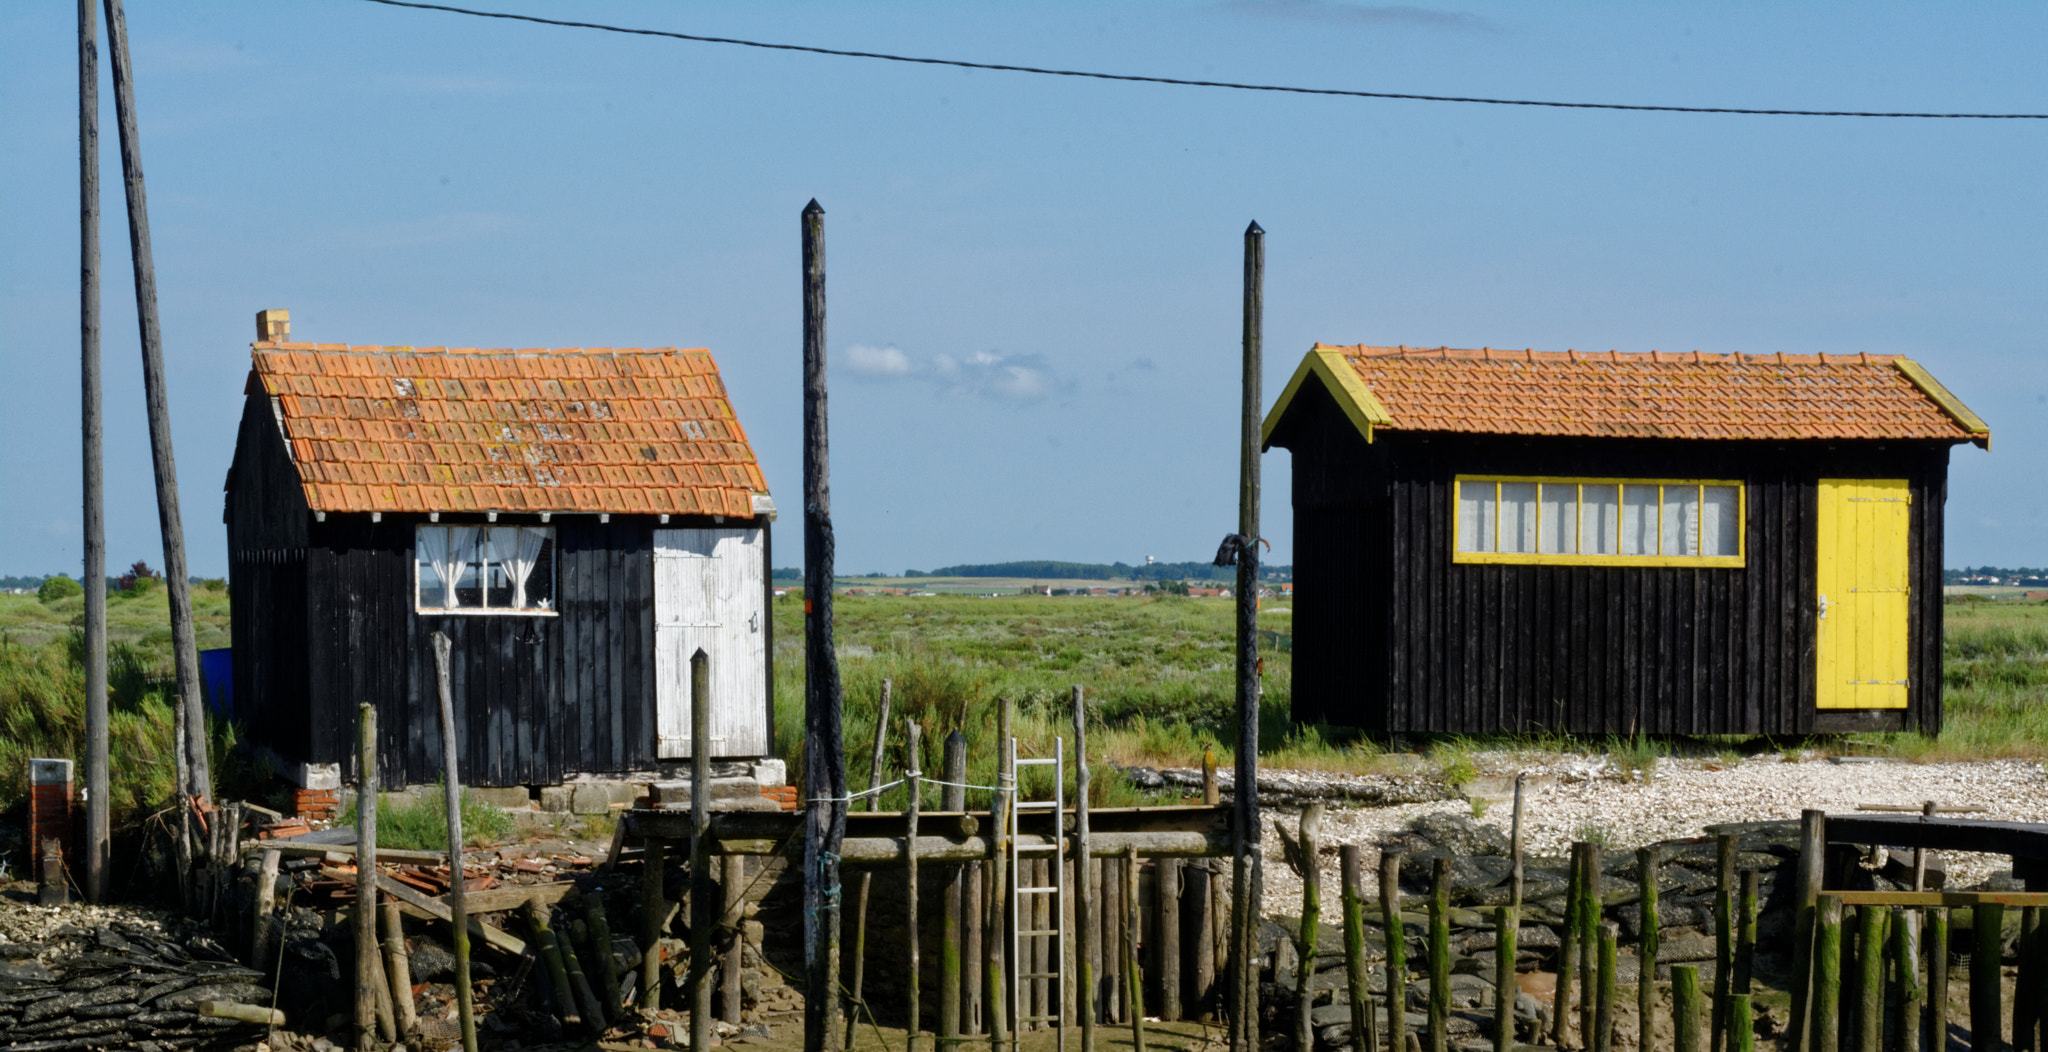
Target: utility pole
[1247,869]
[177,579]
[97,838]
[825,749]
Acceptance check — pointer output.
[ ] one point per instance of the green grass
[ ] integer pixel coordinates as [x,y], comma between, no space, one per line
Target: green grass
[420,822]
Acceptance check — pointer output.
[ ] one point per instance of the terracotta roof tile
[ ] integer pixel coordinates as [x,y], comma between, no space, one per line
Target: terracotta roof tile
[435,429]
[1654,395]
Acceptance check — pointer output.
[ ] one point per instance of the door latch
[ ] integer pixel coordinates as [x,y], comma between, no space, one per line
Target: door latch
[1824,604]
[754,621]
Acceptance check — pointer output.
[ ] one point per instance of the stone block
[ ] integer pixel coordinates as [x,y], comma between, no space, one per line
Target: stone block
[554,798]
[589,798]
[510,797]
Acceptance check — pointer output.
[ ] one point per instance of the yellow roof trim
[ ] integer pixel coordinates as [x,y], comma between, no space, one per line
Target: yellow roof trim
[1342,381]
[1949,403]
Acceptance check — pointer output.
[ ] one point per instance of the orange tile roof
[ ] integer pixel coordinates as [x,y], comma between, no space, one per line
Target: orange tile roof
[405,429]
[1649,395]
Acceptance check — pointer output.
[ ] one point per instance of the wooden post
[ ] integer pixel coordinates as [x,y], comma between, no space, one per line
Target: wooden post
[1350,881]
[1987,1002]
[1439,956]
[915,776]
[601,942]
[825,750]
[365,914]
[1870,947]
[1247,864]
[1827,974]
[1515,845]
[952,797]
[1724,935]
[702,916]
[1745,935]
[1134,977]
[1397,951]
[398,970]
[1603,1014]
[1166,886]
[1568,950]
[731,988]
[548,948]
[1905,924]
[1505,928]
[1806,891]
[2026,1008]
[971,955]
[1116,1007]
[1219,904]
[996,989]
[266,909]
[653,918]
[191,702]
[1084,893]
[1311,924]
[451,795]
[380,988]
[860,914]
[1920,854]
[1937,979]
[1741,1024]
[98,837]
[1591,909]
[1685,1008]
[1202,917]
[579,981]
[1646,947]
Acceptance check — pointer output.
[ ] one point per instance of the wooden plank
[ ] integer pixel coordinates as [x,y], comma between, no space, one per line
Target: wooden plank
[2018,839]
[438,910]
[1942,898]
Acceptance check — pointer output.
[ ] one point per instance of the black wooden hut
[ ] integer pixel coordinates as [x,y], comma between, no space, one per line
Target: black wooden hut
[1489,541]
[577,522]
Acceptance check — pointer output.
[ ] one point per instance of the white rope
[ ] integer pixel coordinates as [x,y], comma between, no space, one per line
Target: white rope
[850,797]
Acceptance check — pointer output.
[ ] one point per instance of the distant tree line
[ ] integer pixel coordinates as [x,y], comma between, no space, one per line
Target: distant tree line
[2028,574]
[1050,570]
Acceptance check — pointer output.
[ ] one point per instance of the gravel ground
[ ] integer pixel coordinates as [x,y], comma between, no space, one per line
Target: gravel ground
[1566,797]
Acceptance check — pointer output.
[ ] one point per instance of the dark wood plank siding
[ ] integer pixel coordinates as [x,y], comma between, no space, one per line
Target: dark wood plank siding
[266,519]
[1393,636]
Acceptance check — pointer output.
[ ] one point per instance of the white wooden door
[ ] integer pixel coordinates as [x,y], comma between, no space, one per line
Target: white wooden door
[708,593]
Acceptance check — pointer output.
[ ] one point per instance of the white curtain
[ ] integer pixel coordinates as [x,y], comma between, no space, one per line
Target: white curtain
[432,542]
[517,549]
[461,552]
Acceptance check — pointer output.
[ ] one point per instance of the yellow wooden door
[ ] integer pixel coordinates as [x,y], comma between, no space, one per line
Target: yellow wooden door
[1863,594]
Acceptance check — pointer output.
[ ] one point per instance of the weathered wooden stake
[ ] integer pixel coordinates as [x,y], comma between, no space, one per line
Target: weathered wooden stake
[653,918]
[1084,893]
[860,914]
[1827,974]
[824,749]
[996,990]
[398,970]
[365,914]
[1806,891]
[1167,888]
[98,836]
[697,980]
[1987,1002]
[732,881]
[952,797]
[1116,1007]
[1603,1014]
[2026,1006]
[1745,935]
[1937,979]
[1311,925]
[1646,947]
[1515,845]
[1439,956]
[451,798]
[1685,1007]
[1568,949]
[1741,1024]
[1870,947]
[1505,928]
[1591,910]
[913,995]
[601,942]
[266,909]
[1134,976]
[1219,905]
[1247,873]
[1724,935]
[550,951]
[1397,950]
[579,981]
[1905,924]
[971,955]
[1350,881]
[1202,919]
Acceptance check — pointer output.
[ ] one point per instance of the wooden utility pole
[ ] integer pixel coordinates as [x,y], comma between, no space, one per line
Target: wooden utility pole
[825,749]
[97,836]
[367,980]
[1247,869]
[177,579]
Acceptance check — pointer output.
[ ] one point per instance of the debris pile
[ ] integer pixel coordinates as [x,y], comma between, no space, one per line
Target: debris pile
[123,983]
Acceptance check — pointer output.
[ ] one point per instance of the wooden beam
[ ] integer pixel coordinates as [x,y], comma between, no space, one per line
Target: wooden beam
[437,909]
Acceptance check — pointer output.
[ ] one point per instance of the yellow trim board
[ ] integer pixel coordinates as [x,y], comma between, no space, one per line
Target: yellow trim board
[1948,402]
[1341,380]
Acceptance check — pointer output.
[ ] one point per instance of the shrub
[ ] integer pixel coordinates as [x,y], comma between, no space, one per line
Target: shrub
[58,587]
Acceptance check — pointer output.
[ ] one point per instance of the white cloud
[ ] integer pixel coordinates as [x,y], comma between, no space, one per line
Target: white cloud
[981,374]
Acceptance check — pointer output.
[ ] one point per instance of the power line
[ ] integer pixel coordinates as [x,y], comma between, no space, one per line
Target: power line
[1178,82]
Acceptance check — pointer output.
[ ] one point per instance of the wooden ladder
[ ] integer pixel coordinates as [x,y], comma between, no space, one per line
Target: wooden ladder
[1052,940]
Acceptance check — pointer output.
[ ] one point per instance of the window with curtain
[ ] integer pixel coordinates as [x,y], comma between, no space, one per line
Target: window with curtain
[485,569]
[1612,522]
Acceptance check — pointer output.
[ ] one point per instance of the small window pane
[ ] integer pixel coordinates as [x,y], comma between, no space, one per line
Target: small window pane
[1638,520]
[1518,517]
[433,594]
[1475,517]
[1721,521]
[1600,528]
[1559,526]
[1681,520]
[540,584]
[469,588]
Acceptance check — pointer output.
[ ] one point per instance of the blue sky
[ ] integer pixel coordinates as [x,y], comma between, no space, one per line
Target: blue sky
[1033,281]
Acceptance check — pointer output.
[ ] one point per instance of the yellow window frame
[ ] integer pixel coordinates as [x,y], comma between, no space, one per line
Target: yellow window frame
[1740,558]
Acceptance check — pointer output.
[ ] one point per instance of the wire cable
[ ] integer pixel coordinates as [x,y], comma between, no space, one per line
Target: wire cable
[1179,82]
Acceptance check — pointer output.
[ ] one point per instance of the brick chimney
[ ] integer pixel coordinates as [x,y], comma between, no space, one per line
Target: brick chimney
[274,325]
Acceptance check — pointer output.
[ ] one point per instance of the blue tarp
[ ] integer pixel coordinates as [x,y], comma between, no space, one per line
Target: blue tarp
[217,681]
